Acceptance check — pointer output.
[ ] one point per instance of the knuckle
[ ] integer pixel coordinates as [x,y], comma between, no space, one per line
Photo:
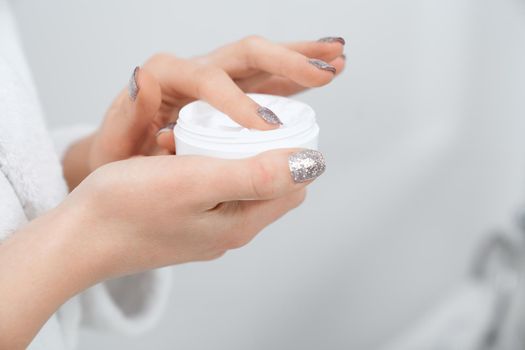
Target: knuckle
[251,40]
[249,47]
[159,57]
[262,178]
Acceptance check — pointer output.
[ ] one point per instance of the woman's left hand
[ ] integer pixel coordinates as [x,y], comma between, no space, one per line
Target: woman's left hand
[140,120]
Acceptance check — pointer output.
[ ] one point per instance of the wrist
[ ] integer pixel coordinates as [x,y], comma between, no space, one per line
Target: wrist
[42,265]
[68,246]
[93,233]
[85,239]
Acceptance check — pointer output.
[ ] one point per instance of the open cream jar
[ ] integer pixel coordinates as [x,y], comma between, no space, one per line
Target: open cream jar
[202,129]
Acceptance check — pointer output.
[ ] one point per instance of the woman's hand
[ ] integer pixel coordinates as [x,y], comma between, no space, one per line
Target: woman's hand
[141,119]
[149,212]
[138,214]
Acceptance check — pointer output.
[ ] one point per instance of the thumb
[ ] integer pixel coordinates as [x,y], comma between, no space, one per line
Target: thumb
[268,175]
[127,128]
[143,104]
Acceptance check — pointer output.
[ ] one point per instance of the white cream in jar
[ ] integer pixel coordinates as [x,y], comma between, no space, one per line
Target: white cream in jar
[201,129]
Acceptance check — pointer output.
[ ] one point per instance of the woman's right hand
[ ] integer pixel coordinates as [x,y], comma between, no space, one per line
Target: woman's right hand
[148,212]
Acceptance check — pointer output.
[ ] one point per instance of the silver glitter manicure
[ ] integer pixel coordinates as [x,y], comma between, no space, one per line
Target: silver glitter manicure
[133,88]
[306,165]
[332,39]
[322,65]
[268,116]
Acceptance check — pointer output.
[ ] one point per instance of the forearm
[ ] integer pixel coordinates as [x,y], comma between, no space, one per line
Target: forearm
[41,266]
[76,162]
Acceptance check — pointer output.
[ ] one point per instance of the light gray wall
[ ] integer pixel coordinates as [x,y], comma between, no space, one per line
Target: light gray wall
[417,169]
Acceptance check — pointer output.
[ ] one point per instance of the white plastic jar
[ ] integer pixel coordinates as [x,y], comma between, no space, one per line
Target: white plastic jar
[202,129]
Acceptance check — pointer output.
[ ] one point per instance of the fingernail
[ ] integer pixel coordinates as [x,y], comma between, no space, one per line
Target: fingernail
[322,65]
[306,165]
[133,88]
[268,116]
[168,127]
[332,39]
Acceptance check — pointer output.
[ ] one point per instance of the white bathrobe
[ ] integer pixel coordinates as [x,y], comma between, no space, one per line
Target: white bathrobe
[31,183]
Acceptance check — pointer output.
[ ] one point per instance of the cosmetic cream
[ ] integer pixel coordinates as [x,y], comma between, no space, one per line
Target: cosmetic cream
[202,129]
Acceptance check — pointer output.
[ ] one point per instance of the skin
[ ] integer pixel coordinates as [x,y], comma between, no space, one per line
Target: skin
[168,209]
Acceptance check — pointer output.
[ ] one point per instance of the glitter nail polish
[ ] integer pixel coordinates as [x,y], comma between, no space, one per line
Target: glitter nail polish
[306,165]
[332,39]
[322,65]
[268,116]
[133,88]
[203,130]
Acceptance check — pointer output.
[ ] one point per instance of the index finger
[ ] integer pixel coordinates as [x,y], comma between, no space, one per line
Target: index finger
[200,81]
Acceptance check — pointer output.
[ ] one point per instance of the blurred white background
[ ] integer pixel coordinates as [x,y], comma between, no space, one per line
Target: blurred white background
[424,136]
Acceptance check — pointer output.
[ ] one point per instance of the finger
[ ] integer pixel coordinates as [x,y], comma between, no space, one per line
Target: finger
[326,51]
[325,48]
[129,120]
[165,138]
[144,102]
[235,58]
[283,86]
[214,86]
[268,175]
[279,60]
[217,88]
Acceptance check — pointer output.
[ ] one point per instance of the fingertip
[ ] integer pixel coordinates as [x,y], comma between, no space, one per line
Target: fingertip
[134,113]
[133,85]
[339,63]
[320,77]
[256,122]
[269,117]
[306,165]
[326,51]
[148,92]
[333,40]
[166,139]
[251,115]
[294,167]
[321,73]
[261,126]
